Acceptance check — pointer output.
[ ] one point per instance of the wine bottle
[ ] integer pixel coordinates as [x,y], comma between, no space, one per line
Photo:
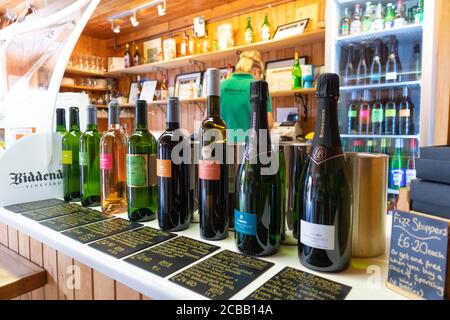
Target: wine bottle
[366,24]
[70,160]
[248,34]
[362,75]
[378,24]
[90,160]
[418,17]
[406,115]
[141,169]
[364,114]
[397,174]
[61,121]
[325,228]
[127,57]
[416,68]
[258,214]
[174,200]
[400,14]
[353,114]
[390,16]
[345,23]
[349,71]
[390,115]
[391,64]
[296,73]
[212,168]
[377,115]
[375,67]
[370,146]
[113,148]
[265,29]
[357,145]
[356,25]
[410,171]
[137,57]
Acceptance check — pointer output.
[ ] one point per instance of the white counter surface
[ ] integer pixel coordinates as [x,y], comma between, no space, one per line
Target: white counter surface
[367,277]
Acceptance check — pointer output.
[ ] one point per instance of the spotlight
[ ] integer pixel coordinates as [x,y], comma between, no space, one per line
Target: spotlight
[162,9]
[134,20]
[115,28]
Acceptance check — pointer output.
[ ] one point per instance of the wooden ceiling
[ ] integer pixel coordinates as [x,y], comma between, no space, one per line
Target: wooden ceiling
[99,26]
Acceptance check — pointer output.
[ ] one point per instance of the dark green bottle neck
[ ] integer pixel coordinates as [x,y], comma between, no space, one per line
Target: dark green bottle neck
[213,106]
[326,133]
[91,127]
[61,128]
[141,127]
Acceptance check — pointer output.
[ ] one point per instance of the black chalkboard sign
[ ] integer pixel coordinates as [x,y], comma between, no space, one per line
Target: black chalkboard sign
[77,219]
[99,230]
[34,205]
[293,284]
[418,255]
[172,255]
[129,242]
[52,212]
[222,275]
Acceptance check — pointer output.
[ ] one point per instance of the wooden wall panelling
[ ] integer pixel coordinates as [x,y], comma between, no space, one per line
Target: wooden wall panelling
[51,266]
[13,239]
[36,256]
[85,291]
[24,251]
[125,293]
[104,287]
[4,234]
[66,277]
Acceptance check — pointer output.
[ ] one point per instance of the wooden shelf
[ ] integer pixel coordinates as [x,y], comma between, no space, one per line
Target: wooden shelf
[294,41]
[84,73]
[284,93]
[87,88]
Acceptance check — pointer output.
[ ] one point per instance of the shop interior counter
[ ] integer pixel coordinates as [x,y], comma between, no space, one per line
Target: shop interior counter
[366,277]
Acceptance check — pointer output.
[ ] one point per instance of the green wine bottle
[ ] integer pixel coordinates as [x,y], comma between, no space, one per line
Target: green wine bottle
[61,121]
[141,169]
[90,160]
[326,221]
[296,73]
[70,150]
[258,209]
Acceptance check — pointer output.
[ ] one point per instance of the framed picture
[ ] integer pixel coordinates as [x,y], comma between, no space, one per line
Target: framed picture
[148,90]
[153,50]
[291,29]
[225,36]
[278,73]
[132,93]
[187,85]
[223,76]
[170,49]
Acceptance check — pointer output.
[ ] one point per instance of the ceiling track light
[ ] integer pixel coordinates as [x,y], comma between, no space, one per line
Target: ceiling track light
[134,20]
[162,9]
[115,28]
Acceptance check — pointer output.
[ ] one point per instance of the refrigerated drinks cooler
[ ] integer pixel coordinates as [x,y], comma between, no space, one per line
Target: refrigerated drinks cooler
[383,52]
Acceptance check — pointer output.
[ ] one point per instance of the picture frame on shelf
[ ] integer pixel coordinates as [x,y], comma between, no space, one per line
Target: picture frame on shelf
[225,36]
[223,75]
[278,73]
[188,85]
[152,50]
[170,49]
[132,93]
[148,90]
[291,29]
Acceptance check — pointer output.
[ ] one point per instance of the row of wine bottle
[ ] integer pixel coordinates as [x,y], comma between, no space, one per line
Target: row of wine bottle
[117,172]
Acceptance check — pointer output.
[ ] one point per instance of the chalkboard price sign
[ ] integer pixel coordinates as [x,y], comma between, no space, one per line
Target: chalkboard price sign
[418,255]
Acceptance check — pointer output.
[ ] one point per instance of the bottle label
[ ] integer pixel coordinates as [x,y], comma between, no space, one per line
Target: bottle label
[164,168]
[391,76]
[389,24]
[248,36]
[245,222]
[183,48]
[126,61]
[397,178]
[364,114]
[378,25]
[209,170]
[345,30]
[406,113]
[352,113]
[66,157]
[355,27]
[390,113]
[106,161]
[418,18]
[265,33]
[399,22]
[137,170]
[317,236]
[296,82]
[410,175]
[84,159]
[377,115]
[321,154]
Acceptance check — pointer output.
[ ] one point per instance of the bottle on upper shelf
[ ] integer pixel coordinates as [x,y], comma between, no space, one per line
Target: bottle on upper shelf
[248,34]
[378,24]
[192,47]
[367,19]
[345,23]
[400,14]
[184,45]
[206,44]
[349,70]
[164,89]
[375,67]
[265,29]
[416,66]
[362,71]
[137,57]
[296,73]
[389,19]
[127,57]
[356,25]
[418,17]
[392,65]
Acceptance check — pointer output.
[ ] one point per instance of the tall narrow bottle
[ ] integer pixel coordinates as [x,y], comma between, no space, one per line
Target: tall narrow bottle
[397,174]
[378,24]
[296,73]
[418,18]
[258,210]
[113,148]
[390,16]
[349,71]
[184,45]
[345,23]
[136,57]
[410,171]
[212,167]
[377,115]
[265,29]
[356,26]
[366,23]
[416,67]
[353,114]
[127,57]
[141,169]
[90,160]
[174,200]
[400,14]
[61,121]
[390,115]
[375,67]
[248,35]
[391,63]
[70,160]
[406,115]
[364,114]
[362,72]
[326,223]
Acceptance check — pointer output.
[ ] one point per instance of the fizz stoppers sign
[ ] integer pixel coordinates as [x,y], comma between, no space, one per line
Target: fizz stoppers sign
[418,256]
